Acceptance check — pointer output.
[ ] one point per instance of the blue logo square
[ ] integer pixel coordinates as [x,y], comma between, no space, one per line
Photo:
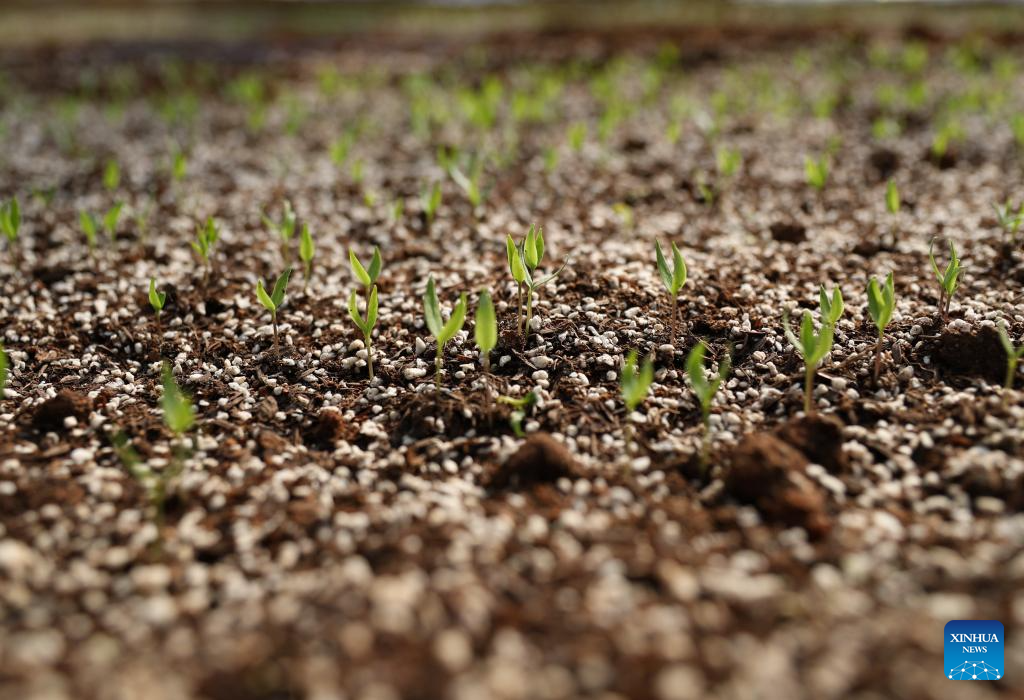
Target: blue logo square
[974,650]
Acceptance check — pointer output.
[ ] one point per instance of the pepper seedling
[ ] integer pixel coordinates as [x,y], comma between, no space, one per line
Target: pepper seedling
[206,237]
[1013,356]
[705,390]
[812,347]
[892,205]
[366,324]
[1009,221]
[443,330]
[948,279]
[273,301]
[307,249]
[90,227]
[367,276]
[430,200]
[10,224]
[816,171]
[831,309]
[523,262]
[881,304]
[111,175]
[485,329]
[519,409]
[156,300]
[673,280]
[285,229]
[635,383]
[179,413]
[110,220]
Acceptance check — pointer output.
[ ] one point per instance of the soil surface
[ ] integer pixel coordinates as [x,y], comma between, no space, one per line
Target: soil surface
[320,535]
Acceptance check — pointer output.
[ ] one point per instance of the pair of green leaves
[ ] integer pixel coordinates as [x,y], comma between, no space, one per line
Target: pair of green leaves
[949,278]
[881,302]
[366,324]
[430,200]
[443,330]
[812,346]
[206,237]
[10,219]
[91,225]
[675,278]
[1009,220]
[831,308]
[156,299]
[179,414]
[486,327]
[892,198]
[367,276]
[285,227]
[816,171]
[636,381]
[273,301]
[704,389]
[524,259]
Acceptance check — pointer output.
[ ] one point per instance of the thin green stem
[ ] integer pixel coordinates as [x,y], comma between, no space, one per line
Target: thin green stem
[529,312]
[437,366]
[808,390]
[675,313]
[878,358]
[369,355]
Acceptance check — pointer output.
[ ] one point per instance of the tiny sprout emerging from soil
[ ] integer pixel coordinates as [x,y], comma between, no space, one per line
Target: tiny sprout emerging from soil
[673,279]
[881,304]
[111,175]
[816,171]
[179,165]
[831,308]
[206,237]
[486,328]
[156,299]
[10,222]
[3,371]
[179,413]
[812,347]
[728,161]
[892,198]
[948,279]
[90,227]
[705,390]
[367,276]
[442,330]
[636,381]
[519,409]
[273,301]
[1013,356]
[1008,220]
[366,324]
[307,250]
[110,220]
[285,229]
[430,200]
[523,261]
[576,135]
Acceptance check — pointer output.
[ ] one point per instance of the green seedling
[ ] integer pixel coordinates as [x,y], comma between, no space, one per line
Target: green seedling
[179,165]
[90,227]
[1013,356]
[705,390]
[179,413]
[156,300]
[673,280]
[469,181]
[831,308]
[10,223]
[3,371]
[342,146]
[367,276]
[813,347]
[206,237]
[397,210]
[430,200]
[307,250]
[576,135]
[635,383]
[881,304]
[111,175]
[442,329]
[285,229]
[816,171]
[365,324]
[948,279]
[273,301]
[485,329]
[523,261]
[110,220]
[728,161]
[520,407]
[892,198]
[1009,221]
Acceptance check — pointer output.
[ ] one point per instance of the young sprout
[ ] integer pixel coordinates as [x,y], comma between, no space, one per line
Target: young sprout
[179,165]
[705,390]
[812,347]
[10,223]
[519,409]
[518,271]
[576,135]
[366,324]
[90,226]
[816,171]
[179,414]
[673,280]
[367,276]
[881,303]
[948,280]
[111,175]
[523,262]
[431,202]
[442,330]
[273,301]
[306,252]
[285,229]
[156,300]
[1009,221]
[1013,356]
[485,329]
[636,382]
[892,205]
[727,161]
[831,309]
[469,182]
[3,371]
[110,220]
[206,238]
